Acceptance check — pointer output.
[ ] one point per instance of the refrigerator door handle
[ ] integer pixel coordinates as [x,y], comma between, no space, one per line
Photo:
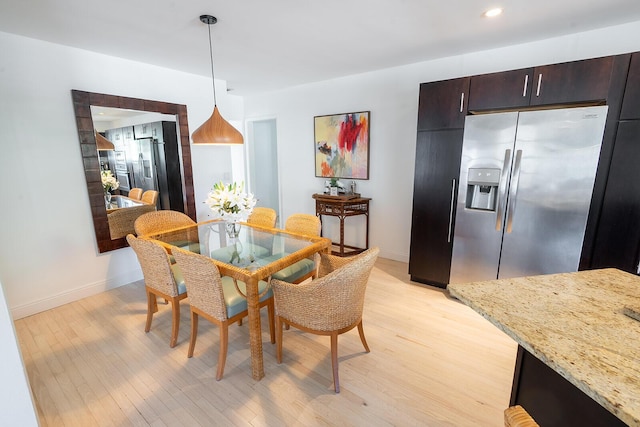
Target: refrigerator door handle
[453,196]
[502,193]
[514,191]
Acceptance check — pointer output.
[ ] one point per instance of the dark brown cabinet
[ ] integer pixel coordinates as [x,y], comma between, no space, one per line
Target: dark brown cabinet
[443,104]
[570,82]
[435,190]
[631,102]
[618,239]
[498,91]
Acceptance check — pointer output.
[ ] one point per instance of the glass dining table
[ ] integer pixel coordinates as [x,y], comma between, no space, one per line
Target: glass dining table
[255,254]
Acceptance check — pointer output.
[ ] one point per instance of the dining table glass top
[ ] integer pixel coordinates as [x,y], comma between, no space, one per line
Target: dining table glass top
[120,202]
[252,249]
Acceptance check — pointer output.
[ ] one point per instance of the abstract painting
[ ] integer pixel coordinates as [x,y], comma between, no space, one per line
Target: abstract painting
[342,145]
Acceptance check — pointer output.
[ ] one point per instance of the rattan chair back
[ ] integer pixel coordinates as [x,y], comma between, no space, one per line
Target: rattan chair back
[340,294]
[155,264]
[135,193]
[121,221]
[203,282]
[263,217]
[159,221]
[150,197]
[303,224]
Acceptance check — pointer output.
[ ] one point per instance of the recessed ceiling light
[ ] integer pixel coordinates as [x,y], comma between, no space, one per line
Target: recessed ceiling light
[493,12]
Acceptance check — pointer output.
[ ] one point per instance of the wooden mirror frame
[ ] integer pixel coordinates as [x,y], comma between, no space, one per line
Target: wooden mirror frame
[82,102]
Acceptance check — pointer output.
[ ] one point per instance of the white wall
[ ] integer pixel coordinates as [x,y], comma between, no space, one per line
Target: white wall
[392,97]
[48,254]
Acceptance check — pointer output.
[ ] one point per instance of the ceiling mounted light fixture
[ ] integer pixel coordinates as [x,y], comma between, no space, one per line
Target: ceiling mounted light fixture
[491,13]
[103,144]
[215,130]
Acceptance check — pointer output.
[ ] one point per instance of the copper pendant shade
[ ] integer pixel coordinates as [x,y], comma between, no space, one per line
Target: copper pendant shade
[103,144]
[216,130]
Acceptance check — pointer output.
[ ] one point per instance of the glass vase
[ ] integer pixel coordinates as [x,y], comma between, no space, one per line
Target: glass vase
[233,229]
[107,198]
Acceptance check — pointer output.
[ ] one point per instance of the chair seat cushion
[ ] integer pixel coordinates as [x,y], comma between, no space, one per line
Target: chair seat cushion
[295,271]
[248,250]
[237,303]
[177,274]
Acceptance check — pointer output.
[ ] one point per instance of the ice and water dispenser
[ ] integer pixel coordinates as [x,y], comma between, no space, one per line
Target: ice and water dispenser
[482,190]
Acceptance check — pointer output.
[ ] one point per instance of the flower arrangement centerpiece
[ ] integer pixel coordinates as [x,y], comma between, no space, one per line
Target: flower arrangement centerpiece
[230,203]
[109,183]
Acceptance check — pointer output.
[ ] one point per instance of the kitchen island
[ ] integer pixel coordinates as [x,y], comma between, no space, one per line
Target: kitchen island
[578,353]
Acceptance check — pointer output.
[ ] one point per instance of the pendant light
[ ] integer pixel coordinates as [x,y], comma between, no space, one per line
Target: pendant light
[103,144]
[215,130]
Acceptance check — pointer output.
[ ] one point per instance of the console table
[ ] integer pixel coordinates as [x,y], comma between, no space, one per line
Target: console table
[342,207]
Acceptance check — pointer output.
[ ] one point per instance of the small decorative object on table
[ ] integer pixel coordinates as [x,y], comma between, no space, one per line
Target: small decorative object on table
[230,203]
[333,187]
[109,183]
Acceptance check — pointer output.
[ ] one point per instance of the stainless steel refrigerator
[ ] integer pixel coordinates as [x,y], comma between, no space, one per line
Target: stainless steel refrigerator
[526,180]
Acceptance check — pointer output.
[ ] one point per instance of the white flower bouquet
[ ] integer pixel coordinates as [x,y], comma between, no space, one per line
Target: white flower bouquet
[109,182]
[230,203]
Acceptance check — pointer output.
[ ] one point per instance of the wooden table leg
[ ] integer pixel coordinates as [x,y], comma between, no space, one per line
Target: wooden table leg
[255,329]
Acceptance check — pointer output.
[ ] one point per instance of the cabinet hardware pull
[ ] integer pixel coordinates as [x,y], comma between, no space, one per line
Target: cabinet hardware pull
[461,101]
[638,269]
[526,82]
[502,193]
[514,191]
[453,196]
[539,84]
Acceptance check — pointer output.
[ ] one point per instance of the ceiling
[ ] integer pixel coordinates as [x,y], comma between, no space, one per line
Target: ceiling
[263,45]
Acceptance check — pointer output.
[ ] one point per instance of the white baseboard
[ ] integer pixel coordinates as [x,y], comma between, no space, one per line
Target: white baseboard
[73,295]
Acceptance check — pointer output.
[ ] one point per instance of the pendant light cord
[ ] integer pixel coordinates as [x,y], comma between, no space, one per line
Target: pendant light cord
[213,76]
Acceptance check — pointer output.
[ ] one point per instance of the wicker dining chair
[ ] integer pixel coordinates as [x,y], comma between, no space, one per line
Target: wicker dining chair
[221,300]
[162,279]
[263,217]
[159,221]
[302,270]
[135,193]
[150,197]
[330,305]
[516,416]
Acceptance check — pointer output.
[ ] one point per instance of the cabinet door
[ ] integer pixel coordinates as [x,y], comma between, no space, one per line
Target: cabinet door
[115,136]
[497,91]
[443,104]
[569,82]
[618,236]
[434,192]
[631,102]
[142,131]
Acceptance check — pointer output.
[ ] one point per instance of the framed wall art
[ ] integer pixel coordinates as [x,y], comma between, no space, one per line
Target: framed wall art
[342,145]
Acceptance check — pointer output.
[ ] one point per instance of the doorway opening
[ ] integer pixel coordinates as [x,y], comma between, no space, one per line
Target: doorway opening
[262,164]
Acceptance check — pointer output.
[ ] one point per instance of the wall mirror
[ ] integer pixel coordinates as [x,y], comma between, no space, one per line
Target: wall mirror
[182,175]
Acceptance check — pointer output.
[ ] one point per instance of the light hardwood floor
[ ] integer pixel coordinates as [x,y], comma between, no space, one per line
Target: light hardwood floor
[433,362]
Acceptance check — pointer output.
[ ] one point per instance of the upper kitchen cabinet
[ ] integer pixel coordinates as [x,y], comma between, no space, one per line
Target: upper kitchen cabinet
[572,82]
[631,102]
[500,91]
[443,104]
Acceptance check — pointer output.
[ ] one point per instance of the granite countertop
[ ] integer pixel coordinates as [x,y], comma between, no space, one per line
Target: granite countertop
[574,323]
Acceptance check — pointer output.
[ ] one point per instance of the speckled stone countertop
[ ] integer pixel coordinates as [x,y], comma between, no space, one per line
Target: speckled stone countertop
[574,323]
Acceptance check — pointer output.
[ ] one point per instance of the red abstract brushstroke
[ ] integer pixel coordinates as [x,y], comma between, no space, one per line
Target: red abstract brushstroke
[348,135]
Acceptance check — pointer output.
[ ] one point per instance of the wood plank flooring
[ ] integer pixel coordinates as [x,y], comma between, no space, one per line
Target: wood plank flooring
[433,362]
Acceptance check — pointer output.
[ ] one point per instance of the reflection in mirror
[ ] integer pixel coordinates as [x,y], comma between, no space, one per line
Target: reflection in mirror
[152,153]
